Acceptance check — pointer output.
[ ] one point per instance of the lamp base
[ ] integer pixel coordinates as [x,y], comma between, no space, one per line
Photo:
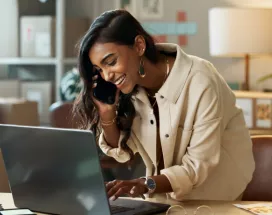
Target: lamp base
[246,87]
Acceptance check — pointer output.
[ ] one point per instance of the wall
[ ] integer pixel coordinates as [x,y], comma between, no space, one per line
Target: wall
[197,11]
[80,8]
[231,69]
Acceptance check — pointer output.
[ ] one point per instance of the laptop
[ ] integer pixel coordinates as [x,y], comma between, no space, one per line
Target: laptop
[57,171]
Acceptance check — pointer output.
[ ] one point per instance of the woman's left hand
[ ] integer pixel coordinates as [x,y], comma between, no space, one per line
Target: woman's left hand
[131,188]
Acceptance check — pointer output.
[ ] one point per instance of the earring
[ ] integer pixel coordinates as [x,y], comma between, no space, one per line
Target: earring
[141,69]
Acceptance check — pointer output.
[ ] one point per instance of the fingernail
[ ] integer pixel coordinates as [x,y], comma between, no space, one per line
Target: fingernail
[94,85]
[112,198]
[95,77]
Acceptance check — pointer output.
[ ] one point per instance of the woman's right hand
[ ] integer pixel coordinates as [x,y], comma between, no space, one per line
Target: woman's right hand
[106,111]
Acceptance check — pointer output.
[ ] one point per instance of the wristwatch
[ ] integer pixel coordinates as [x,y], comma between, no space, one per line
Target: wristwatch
[150,184]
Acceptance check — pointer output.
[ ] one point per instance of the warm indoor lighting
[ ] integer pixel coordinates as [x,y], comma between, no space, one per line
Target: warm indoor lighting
[240,32]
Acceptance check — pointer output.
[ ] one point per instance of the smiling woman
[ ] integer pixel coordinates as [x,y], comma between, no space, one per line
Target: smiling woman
[172,108]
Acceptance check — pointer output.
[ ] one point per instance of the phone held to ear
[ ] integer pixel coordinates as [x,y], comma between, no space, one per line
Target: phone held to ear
[104,91]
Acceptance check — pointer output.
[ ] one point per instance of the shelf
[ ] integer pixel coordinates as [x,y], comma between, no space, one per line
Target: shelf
[70,61]
[35,61]
[27,61]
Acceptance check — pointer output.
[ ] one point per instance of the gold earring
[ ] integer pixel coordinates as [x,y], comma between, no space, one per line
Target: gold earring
[141,69]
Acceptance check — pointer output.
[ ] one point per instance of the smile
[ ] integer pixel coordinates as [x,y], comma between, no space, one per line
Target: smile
[120,80]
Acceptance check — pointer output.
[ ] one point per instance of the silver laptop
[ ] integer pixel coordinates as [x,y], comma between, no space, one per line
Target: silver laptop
[58,171]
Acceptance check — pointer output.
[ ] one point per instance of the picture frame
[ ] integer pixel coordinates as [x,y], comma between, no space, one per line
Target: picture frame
[247,105]
[151,9]
[264,113]
[129,5]
[258,111]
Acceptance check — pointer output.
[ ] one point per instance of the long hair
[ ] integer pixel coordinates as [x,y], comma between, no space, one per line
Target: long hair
[115,26]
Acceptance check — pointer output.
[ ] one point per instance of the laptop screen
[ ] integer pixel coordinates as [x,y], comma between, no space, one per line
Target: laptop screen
[54,170]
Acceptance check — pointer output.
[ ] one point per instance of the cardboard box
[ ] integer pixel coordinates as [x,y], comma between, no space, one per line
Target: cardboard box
[42,93]
[38,35]
[19,112]
[9,19]
[9,88]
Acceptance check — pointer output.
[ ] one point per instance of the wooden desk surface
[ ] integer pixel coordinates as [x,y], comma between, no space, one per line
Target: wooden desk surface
[219,207]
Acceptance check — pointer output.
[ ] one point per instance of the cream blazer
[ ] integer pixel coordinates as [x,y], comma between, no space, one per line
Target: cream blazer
[206,146]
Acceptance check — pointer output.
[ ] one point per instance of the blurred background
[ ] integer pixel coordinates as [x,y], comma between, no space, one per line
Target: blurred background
[38,57]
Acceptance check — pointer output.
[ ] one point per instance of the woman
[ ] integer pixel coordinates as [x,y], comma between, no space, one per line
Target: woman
[172,108]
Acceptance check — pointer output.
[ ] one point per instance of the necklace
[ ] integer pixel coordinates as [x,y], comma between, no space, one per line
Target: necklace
[165,77]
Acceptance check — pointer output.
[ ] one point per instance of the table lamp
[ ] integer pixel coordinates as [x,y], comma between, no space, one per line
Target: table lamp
[240,32]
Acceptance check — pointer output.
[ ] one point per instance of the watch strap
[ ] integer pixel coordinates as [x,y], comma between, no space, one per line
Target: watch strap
[150,191]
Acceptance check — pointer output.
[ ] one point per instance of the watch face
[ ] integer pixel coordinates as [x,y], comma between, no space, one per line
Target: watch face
[151,184]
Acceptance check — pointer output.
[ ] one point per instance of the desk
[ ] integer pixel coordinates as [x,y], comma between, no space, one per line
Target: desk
[260,132]
[219,207]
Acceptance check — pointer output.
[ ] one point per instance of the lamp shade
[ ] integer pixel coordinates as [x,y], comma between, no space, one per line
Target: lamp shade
[237,32]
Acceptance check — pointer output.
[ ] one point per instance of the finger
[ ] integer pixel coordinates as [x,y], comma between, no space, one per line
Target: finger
[111,191]
[94,85]
[120,184]
[107,184]
[110,185]
[117,96]
[134,192]
[95,77]
[121,191]
[128,195]
[142,196]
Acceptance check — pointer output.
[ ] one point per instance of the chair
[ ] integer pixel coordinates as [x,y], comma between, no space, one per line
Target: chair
[1,116]
[4,184]
[61,115]
[260,187]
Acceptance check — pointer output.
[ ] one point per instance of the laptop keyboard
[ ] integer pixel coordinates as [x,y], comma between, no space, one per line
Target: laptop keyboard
[119,209]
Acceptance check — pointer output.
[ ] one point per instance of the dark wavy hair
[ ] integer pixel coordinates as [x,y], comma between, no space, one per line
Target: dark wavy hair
[115,26]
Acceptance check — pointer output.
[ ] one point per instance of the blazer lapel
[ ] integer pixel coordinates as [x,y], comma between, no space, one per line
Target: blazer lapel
[167,133]
[144,130]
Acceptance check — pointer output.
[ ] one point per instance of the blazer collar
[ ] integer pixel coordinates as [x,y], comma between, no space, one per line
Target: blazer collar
[175,82]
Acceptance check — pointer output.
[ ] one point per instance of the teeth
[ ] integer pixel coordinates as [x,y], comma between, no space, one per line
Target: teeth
[119,81]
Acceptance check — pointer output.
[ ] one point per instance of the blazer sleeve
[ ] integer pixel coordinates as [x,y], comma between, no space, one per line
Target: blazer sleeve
[117,153]
[203,152]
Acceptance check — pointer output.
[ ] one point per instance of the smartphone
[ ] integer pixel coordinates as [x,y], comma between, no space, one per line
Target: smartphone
[104,91]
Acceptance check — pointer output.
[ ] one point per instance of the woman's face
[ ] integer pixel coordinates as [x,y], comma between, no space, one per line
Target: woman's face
[118,64]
